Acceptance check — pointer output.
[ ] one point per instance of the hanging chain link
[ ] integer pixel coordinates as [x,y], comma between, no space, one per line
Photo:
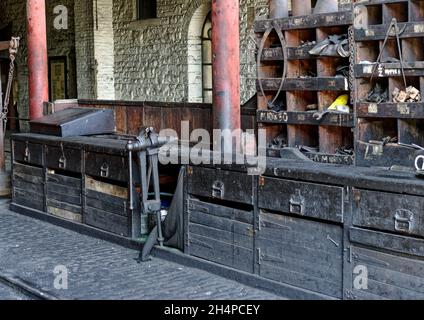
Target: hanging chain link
[352,59]
[13,50]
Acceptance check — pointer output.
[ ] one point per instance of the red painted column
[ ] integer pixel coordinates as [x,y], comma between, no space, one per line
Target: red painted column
[226,64]
[37,57]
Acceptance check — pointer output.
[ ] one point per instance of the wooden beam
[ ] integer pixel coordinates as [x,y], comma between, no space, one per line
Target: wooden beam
[4,45]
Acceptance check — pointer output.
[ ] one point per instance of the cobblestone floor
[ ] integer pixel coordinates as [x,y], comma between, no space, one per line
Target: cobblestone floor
[31,250]
[7,293]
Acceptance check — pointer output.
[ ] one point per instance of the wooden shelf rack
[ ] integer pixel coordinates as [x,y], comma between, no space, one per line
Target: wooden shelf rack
[397,122]
[311,80]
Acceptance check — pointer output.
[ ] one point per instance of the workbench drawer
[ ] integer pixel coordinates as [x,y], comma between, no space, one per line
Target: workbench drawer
[28,186]
[106,166]
[398,213]
[220,184]
[221,234]
[63,158]
[64,196]
[384,266]
[28,152]
[302,198]
[106,207]
[302,253]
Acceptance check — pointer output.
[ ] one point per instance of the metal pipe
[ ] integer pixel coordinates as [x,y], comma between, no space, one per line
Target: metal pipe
[278,9]
[326,6]
[301,7]
[226,64]
[37,57]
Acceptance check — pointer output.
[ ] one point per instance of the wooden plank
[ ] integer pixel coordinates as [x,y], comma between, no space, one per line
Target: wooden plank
[301,198]
[305,118]
[391,110]
[25,185]
[221,211]
[287,224]
[323,259]
[293,53]
[116,208]
[28,199]
[387,211]
[70,182]
[301,280]
[411,69]
[307,22]
[302,265]
[63,190]
[330,158]
[134,120]
[102,187]
[221,224]
[306,84]
[234,238]
[28,178]
[221,252]
[396,243]
[414,285]
[391,268]
[106,221]
[28,170]
[64,214]
[64,205]
[153,117]
[378,32]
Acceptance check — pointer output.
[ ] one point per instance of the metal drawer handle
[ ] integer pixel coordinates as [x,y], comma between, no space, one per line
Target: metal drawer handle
[27,154]
[297,203]
[104,170]
[62,159]
[218,190]
[62,162]
[404,220]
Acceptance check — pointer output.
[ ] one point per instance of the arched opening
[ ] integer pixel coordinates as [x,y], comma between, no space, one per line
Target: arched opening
[195,53]
[207,60]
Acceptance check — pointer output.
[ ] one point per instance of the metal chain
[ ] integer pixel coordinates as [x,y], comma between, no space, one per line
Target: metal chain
[13,49]
[352,58]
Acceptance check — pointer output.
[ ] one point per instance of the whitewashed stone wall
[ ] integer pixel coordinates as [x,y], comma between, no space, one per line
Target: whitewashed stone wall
[164,44]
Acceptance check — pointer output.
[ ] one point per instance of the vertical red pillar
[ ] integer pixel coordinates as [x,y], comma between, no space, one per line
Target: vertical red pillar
[37,57]
[226,64]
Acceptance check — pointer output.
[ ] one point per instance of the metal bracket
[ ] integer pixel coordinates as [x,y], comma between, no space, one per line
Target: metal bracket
[27,154]
[104,170]
[218,190]
[62,159]
[297,203]
[259,256]
[404,221]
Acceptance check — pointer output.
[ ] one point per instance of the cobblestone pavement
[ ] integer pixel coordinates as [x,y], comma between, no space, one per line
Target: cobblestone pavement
[31,249]
[7,293]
